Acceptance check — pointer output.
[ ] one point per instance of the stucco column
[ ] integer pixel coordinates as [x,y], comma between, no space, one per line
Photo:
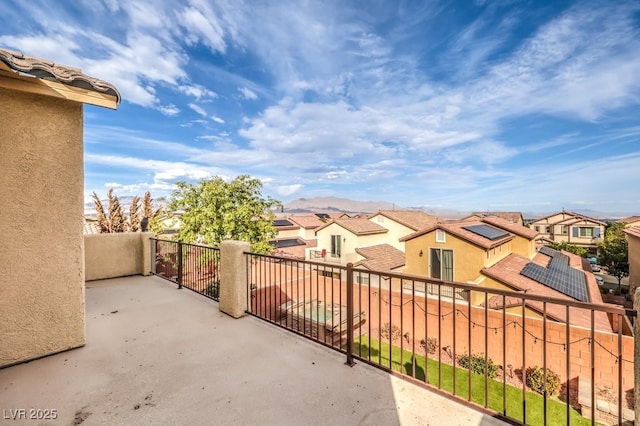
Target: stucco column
[233,278]
[636,353]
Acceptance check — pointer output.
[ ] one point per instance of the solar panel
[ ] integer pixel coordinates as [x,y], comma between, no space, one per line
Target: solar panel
[282,222]
[487,231]
[323,216]
[558,275]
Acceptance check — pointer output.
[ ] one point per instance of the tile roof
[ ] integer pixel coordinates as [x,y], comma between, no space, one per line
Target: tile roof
[457,229]
[513,217]
[48,70]
[507,271]
[381,257]
[573,216]
[309,221]
[512,227]
[91,227]
[295,252]
[414,219]
[357,225]
[633,231]
[629,219]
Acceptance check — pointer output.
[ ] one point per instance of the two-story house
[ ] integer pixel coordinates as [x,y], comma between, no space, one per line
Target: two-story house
[572,228]
[338,239]
[295,234]
[401,223]
[456,251]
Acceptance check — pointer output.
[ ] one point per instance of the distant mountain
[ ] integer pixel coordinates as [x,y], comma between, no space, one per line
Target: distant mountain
[335,204]
[344,205]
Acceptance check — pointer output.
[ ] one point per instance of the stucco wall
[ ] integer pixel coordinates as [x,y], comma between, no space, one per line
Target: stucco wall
[634,263]
[468,259]
[42,307]
[117,255]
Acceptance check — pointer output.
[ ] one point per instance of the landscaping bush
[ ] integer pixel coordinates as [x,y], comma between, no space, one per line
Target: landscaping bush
[430,345]
[477,364]
[388,331]
[535,380]
[213,289]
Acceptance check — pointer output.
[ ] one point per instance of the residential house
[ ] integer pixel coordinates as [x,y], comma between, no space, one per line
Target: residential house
[378,258]
[633,238]
[630,221]
[572,228]
[456,251]
[295,235]
[307,225]
[339,239]
[42,172]
[401,223]
[513,217]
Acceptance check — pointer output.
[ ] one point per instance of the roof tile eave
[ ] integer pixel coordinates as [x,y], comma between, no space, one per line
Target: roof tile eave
[46,69]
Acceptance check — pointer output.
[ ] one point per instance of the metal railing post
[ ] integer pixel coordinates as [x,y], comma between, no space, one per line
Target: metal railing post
[179,265]
[350,315]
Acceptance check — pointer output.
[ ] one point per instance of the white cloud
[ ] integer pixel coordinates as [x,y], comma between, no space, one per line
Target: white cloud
[217,119]
[169,110]
[248,93]
[198,109]
[197,91]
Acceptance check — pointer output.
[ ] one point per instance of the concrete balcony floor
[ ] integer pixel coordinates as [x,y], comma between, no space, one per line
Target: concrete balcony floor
[158,355]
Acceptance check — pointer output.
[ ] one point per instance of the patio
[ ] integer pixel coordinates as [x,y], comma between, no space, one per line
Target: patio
[158,355]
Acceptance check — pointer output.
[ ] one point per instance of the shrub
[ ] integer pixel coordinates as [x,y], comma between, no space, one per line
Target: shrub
[213,289]
[430,345]
[477,364]
[535,380]
[390,332]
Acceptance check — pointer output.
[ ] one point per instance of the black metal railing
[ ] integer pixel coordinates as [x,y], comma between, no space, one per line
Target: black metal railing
[193,266]
[529,359]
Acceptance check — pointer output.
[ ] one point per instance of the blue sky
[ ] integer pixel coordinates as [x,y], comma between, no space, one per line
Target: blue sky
[486,105]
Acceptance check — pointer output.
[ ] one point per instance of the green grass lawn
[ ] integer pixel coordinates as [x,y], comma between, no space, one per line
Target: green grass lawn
[401,361]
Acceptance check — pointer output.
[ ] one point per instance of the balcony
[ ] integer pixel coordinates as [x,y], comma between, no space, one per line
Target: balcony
[158,355]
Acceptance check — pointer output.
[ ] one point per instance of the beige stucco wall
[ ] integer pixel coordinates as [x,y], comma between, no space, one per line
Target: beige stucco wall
[396,230]
[468,259]
[117,255]
[350,242]
[42,307]
[634,262]
[524,246]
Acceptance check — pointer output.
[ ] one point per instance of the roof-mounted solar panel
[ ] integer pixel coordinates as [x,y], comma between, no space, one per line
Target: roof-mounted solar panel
[487,231]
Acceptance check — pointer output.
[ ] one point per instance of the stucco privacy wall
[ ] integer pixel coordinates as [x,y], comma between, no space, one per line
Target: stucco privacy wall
[42,307]
[117,255]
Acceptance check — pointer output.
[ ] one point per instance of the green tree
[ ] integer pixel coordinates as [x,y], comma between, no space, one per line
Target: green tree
[215,210]
[571,248]
[613,252]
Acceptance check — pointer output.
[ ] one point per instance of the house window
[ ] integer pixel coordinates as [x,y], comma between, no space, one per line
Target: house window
[537,228]
[548,230]
[336,245]
[586,232]
[361,279]
[440,236]
[565,229]
[380,219]
[442,264]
